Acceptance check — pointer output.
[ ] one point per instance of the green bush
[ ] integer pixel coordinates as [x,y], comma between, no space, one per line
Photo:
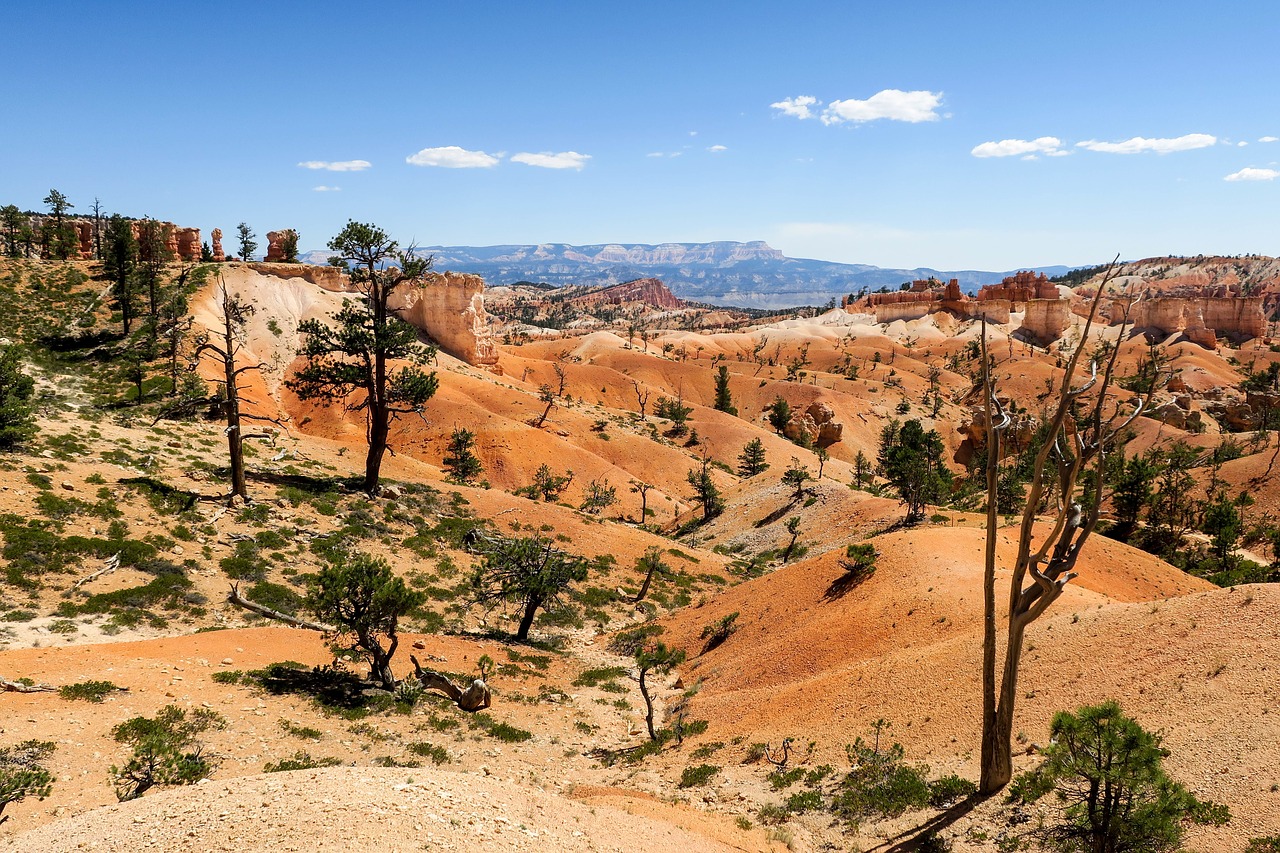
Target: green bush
[300,761]
[437,754]
[880,784]
[89,691]
[22,774]
[949,789]
[697,775]
[165,750]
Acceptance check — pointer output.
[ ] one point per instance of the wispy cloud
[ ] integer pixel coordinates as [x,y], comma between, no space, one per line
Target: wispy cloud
[336,165]
[1269,139]
[1251,174]
[716,149]
[798,106]
[892,104]
[547,160]
[324,189]
[1140,145]
[452,157]
[1050,146]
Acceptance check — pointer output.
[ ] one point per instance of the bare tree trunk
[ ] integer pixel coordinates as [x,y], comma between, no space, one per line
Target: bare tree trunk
[234,597]
[648,705]
[18,687]
[990,724]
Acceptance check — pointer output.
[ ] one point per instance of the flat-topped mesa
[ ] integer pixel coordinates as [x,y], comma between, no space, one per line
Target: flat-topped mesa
[646,291]
[1200,318]
[449,307]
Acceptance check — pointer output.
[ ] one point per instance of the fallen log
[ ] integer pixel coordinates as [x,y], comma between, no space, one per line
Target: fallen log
[19,687]
[475,698]
[239,600]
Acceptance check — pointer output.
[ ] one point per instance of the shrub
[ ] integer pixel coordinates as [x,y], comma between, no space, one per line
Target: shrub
[880,784]
[717,632]
[949,789]
[165,751]
[437,754]
[22,774]
[90,691]
[697,775]
[300,761]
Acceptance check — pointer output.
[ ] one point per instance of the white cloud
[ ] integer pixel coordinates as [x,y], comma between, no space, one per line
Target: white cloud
[324,189]
[1048,145]
[452,157]
[716,149]
[1251,174]
[798,106]
[1269,139]
[1241,144]
[1139,144]
[336,165]
[893,104]
[547,160]
[655,154]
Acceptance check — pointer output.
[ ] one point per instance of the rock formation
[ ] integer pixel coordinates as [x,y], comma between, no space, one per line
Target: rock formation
[189,244]
[170,232]
[84,231]
[1200,318]
[449,307]
[330,278]
[275,247]
[924,297]
[650,292]
[818,423]
[1046,319]
[218,254]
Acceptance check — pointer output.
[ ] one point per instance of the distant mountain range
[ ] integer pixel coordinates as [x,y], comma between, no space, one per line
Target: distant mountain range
[750,275]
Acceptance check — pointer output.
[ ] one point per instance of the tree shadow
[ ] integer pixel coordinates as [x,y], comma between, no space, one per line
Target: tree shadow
[846,583]
[916,837]
[306,483]
[328,685]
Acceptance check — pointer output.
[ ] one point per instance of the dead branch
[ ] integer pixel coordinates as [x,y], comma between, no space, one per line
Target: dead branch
[19,687]
[108,567]
[475,698]
[239,600]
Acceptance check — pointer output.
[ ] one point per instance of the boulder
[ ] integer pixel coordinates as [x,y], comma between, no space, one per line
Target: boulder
[817,423]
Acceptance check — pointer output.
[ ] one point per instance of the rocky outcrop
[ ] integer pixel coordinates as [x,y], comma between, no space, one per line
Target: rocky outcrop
[330,278]
[650,292]
[218,254]
[275,246]
[1201,319]
[815,425]
[1019,288]
[188,240]
[449,308]
[1046,319]
[84,232]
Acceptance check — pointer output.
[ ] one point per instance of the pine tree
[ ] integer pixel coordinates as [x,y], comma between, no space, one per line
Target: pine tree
[17,416]
[751,460]
[911,460]
[705,491]
[462,465]
[120,264]
[247,245]
[353,354]
[724,400]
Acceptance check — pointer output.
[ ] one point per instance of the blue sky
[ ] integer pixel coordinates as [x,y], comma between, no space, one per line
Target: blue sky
[843,131]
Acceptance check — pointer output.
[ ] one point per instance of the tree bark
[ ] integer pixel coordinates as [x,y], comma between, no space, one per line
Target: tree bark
[19,687]
[475,698]
[526,621]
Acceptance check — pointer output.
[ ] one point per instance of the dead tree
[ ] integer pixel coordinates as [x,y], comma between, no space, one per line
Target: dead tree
[22,687]
[225,346]
[549,396]
[475,698]
[642,397]
[1078,437]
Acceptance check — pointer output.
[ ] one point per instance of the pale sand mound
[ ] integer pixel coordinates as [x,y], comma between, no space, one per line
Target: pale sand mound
[348,808]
